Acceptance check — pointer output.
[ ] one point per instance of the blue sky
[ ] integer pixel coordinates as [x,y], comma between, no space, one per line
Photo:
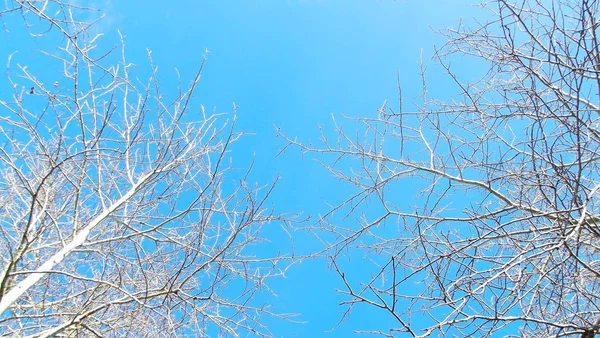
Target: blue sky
[292,64]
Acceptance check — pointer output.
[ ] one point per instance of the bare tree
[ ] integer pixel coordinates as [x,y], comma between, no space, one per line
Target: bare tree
[121,212]
[481,215]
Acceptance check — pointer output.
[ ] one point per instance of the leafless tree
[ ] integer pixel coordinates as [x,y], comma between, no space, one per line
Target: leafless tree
[121,212]
[481,215]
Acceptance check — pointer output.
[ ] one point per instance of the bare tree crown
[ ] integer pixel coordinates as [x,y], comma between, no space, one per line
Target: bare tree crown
[122,213]
[482,213]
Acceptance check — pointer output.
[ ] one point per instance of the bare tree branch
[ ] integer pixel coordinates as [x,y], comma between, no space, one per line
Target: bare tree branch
[121,210]
[481,214]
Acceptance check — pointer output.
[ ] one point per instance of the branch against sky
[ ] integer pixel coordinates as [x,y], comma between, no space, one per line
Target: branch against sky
[121,211]
[480,215]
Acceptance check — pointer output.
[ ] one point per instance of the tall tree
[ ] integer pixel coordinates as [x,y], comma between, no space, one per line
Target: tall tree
[482,214]
[120,212]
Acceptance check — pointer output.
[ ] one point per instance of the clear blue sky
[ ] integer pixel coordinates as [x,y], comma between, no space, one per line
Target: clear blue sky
[292,63]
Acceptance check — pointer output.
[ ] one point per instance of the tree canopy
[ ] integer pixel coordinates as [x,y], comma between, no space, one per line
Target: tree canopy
[125,210]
